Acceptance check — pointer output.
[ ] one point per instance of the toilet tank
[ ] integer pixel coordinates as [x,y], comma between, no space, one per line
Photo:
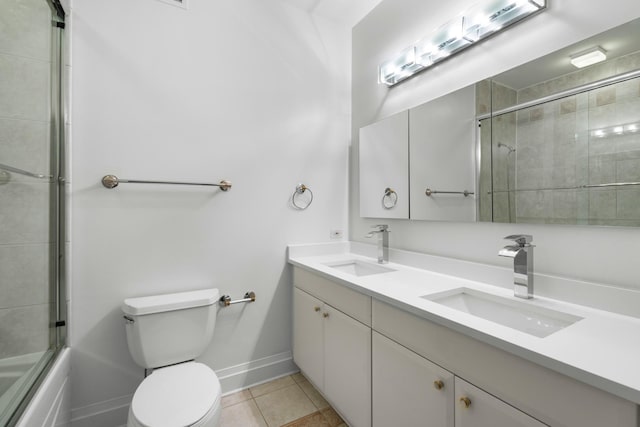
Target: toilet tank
[167,329]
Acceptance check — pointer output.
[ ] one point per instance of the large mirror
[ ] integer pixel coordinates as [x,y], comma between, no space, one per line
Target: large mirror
[548,143]
[563,144]
[384,168]
[442,161]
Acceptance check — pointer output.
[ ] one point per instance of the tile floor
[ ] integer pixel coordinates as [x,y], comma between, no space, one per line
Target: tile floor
[289,401]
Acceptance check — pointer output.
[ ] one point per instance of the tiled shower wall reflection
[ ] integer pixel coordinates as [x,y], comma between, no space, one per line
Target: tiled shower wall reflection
[25,64]
[541,154]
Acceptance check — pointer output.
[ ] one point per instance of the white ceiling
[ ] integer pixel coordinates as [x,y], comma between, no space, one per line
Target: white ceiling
[618,41]
[348,12]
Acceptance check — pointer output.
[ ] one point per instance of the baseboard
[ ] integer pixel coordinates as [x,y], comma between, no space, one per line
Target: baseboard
[240,377]
[114,412]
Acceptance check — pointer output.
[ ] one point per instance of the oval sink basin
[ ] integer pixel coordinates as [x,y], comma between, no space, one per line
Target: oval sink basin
[533,320]
[358,268]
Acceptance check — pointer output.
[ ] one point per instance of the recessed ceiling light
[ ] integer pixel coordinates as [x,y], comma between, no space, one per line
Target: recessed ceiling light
[588,57]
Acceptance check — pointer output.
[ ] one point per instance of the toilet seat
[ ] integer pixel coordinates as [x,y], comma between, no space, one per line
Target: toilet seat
[181,395]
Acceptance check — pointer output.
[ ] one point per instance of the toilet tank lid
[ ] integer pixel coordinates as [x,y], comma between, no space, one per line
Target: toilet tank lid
[169,302]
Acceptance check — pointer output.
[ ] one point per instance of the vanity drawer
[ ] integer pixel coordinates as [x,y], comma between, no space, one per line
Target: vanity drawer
[344,299]
[553,398]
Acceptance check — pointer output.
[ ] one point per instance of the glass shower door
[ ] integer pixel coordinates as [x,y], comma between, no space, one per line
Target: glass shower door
[30,197]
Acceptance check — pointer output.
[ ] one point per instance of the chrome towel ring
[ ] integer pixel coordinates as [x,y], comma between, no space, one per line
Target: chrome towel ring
[390,198]
[301,189]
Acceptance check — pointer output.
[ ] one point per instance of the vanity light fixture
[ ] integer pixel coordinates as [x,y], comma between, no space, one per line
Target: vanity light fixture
[617,130]
[474,24]
[588,57]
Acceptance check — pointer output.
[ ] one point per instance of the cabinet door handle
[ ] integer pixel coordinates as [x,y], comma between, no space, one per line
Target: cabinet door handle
[465,402]
[316,309]
[325,314]
[438,384]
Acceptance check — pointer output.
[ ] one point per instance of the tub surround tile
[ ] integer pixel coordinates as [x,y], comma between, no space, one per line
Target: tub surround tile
[25,275]
[25,82]
[24,330]
[24,211]
[605,96]
[26,29]
[25,144]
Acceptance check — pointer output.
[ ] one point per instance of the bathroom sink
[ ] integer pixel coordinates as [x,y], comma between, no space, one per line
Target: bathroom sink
[358,268]
[533,320]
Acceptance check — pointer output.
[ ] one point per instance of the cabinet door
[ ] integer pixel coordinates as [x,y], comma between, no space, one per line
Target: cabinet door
[409,390]
[308,336]
[348,366]
[477,408]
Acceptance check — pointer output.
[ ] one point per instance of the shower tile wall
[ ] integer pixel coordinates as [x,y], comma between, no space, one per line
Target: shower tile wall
[25,43]
[557,148]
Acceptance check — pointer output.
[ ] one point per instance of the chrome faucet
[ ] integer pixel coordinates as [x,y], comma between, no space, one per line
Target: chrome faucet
[383,242]
[522,254]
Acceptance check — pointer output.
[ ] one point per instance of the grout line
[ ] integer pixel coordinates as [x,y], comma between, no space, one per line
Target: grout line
[304,379]
[260,410]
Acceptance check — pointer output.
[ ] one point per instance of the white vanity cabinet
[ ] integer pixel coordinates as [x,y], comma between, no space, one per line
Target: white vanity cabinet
[431,395]
[409,390]
[381,366]
[477,408]
[308,336]
[507,390]
[332,345]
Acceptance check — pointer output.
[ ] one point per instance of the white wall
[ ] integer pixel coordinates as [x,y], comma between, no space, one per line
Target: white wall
[599,254]
[252,91]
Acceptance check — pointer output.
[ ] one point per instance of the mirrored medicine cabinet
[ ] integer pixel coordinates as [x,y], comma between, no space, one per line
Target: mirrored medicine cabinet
[542,143]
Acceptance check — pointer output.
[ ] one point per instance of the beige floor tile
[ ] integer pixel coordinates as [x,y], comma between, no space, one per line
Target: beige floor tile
[299,378]
[314,420]
[285,405]
[274,385]
[234,398]
[314,395]
[243,414]
[332,417]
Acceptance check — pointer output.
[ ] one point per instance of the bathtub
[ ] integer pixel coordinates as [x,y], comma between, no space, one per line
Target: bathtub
[50,405]
[16,374]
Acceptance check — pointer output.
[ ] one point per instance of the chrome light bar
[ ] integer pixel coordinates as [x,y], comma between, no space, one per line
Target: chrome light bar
[475,24]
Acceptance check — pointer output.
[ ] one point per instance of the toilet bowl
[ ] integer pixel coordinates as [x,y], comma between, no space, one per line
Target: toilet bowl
[166,333]
[187,394]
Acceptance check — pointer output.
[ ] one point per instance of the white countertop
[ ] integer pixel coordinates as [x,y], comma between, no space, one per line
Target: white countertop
[602,349]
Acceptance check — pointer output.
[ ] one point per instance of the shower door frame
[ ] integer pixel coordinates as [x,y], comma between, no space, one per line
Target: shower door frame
[57,214]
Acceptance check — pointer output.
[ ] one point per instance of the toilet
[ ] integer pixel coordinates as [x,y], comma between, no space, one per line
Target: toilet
[166,333]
